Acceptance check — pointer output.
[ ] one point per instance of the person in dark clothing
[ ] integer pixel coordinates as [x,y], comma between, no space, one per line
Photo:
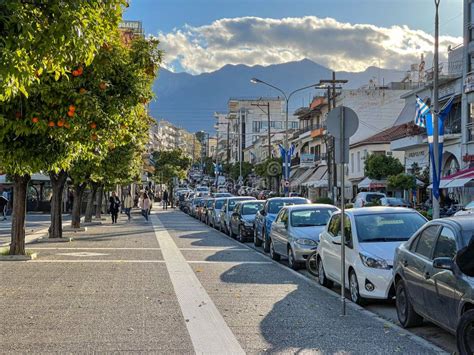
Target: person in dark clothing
[114,206]
[165,200]
[3,207]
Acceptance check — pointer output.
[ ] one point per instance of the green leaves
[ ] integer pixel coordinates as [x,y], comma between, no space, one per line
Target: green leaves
[382,166]
[402,182]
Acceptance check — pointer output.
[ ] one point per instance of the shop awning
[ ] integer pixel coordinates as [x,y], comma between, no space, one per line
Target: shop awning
[302,177]
[317,176]
[456,180]
[34,178]
[369,183]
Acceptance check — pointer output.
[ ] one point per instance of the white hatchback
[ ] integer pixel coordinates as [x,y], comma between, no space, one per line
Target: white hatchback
[372,235]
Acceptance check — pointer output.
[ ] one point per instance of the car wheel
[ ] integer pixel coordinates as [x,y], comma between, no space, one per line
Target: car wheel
[465,333]
[323,281]
[312,263]
[292,263]
[266,243]
[273,254]
[405,311]
[354,289]
[257,242]
[239,235]
[231,233]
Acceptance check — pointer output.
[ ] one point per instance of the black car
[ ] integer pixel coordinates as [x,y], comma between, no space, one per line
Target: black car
[432,281]
[242,218]
[206,209]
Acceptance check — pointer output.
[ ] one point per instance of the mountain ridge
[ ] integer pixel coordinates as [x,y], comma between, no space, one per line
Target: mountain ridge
[189,101]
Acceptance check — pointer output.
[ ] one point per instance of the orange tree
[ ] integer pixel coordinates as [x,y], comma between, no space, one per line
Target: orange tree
[48,36]
[63,120]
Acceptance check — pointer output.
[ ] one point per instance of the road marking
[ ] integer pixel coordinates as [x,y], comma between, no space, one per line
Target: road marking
[213,249]
[94,261]
[228,262]
[82,253]
[59,248]
[207,328]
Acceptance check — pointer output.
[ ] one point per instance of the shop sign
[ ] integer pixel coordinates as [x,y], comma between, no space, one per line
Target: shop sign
[468,158]
[469,83]
[306,160]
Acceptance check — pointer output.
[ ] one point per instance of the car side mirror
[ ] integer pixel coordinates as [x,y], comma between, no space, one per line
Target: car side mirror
[443,263]
[336,240]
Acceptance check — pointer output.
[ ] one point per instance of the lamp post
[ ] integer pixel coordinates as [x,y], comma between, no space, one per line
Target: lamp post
[435,100]
[287,99]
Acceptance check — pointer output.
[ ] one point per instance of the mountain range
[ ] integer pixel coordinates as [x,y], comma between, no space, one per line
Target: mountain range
[189,101]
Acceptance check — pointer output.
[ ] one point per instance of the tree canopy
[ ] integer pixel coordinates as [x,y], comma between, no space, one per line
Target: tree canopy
[382,166]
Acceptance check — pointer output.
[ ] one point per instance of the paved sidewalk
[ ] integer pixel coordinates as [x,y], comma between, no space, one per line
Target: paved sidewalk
[174,285]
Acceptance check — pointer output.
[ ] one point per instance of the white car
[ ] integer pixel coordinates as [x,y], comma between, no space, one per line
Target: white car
[202,190]
[466,210]
[364,198]
[372,235]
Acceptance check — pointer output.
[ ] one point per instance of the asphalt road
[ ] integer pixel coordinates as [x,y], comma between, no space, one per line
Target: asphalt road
[173,285]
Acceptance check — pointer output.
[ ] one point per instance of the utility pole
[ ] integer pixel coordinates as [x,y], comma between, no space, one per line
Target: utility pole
[435,100]
[332,168]
[194,146]
[228,143]
[269,127]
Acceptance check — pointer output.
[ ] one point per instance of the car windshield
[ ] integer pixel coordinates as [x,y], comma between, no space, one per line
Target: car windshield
[198,201]
[232,203]
[219,204]
[373,197]
[395,201]
[275,206]
[387,227]
[209,203]
[311,217]
[252,208]
[470,205]
[202,189]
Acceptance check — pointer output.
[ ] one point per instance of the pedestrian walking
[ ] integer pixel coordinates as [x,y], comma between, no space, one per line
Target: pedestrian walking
[3,207]
[114,206]
[165,200]
[145,205]
[128,204]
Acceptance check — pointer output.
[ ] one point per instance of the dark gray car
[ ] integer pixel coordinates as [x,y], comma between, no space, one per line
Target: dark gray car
[429,282]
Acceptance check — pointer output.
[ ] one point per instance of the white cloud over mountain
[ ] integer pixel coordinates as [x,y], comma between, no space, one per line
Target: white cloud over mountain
[265,41]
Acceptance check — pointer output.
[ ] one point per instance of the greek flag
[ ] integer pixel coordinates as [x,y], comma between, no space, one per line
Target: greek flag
[421,111]
[286,162]
[429,131]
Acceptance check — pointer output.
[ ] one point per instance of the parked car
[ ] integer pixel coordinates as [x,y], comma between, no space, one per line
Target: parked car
[394,202]
[241,221]
[227,209]
[195,205]
[207,205]
[215,212]
[203,190]
[295,232]
[363,198]
[466,210]
[266,216]
[429,282]
[371,236]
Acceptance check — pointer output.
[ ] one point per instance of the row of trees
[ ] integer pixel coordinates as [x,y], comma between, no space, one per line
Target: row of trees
[73,106]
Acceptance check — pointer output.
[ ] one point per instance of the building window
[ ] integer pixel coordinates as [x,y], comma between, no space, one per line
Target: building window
[358,162]
[352,162]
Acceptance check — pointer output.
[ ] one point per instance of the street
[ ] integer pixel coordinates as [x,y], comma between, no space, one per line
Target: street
[173,285]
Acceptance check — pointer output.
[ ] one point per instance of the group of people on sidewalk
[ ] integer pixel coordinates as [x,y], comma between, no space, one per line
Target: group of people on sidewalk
[144,203]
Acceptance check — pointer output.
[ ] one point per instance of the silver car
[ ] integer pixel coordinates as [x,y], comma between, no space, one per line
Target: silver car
[215,212]
[295,231]
[227,209]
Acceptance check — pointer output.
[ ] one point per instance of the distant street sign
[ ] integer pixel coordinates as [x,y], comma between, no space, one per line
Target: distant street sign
[342,123]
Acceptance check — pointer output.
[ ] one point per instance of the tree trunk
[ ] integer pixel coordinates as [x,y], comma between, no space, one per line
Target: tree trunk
[78,191]
[90,202]
[98,202]
[20,185]
[58,182]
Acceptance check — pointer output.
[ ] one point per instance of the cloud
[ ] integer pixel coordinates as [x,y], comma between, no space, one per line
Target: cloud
[265,41]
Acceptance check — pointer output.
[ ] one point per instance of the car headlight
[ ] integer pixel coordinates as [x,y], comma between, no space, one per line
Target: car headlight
[308,242]
[373,262]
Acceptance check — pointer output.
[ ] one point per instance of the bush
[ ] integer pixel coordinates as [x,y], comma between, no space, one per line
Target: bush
[425,214]
[349,205]
[325,200]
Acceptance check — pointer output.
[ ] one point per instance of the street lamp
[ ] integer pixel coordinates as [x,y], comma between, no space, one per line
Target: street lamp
[287,98]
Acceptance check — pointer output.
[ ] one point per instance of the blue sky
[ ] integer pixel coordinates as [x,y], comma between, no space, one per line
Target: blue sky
[197,40]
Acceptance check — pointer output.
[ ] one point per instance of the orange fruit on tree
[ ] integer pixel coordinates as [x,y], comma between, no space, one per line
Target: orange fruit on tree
[80,70]
[72,108]
[35,120]
[70,113]
[67,125]
[82,91]
[94,137]
[61,123]
[93,125]
[102,86]
[51,124]
[75,73]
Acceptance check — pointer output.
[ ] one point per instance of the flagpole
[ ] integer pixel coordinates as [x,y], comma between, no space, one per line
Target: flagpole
[435,100]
